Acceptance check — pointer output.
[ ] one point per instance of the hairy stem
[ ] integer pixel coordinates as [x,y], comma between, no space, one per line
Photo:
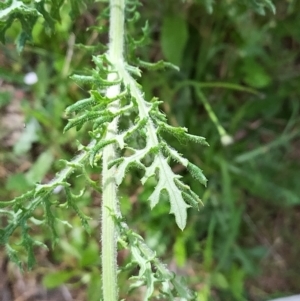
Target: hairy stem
[110,204]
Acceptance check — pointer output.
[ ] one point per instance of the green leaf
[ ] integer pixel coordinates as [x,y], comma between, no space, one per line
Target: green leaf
[55,7]
[260,5]
[28,137]
[5,97]
[181,134]
[219,281]
[237,281]
[93,292]
[138,127]
[72,203]
[173,41]
[157,65]
[81,105]
[40,167]
[12,255]
[126,163]
[178,132]
[81,120]
[209,5]
[166,183]
[90,255]
[255,75]
[98,147]
[175,155]
[94,80]
[194,201]
[197,173]
[180,251]
[77,6]
[17,182]
[49,21]
[196,139]
[27,14]
[56,279]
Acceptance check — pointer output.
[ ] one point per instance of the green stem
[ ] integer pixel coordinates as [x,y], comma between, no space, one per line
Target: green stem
[225,85]
[110,204]
[210,112]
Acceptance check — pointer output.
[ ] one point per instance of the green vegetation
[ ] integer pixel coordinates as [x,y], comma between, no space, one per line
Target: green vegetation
[238,86]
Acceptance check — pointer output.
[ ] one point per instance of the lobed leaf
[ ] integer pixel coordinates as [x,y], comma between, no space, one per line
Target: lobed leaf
[134,70]
[23,208]
[94,81]
[151,269]
[157,116]
[91,48]
[27,13]
[166,183]
[93,115]
[115,162]
[71,201]
[103,99]
[192,201]
[127,162]
[181,134]
[76,7]
[197,173]
[80,105]
[196,139]
[84,79]
[157,65]
[101,120]
[99,145]
[178,132]
[260,5]
[137,128]
[13,256]
[175,155]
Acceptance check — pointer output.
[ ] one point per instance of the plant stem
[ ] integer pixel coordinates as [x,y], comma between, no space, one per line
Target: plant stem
[110,205]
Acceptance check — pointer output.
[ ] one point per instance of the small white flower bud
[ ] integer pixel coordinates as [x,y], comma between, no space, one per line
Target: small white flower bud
[30,78]
[226,140]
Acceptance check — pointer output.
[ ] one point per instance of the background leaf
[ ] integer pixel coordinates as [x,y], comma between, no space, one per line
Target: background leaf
[173,42]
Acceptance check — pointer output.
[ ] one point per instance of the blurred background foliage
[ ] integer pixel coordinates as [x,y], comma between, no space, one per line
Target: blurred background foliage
[245,63]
